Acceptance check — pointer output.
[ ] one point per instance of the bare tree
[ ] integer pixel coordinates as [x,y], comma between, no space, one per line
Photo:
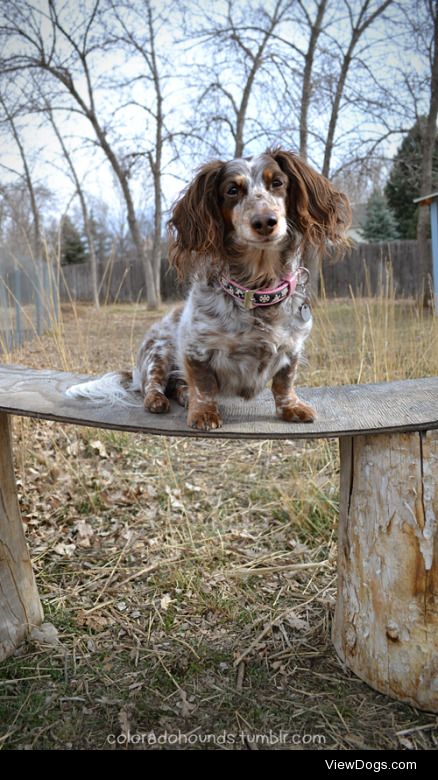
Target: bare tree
[312,27]
[137,29]
[83,204]
[10,116]
[297,56]
[333,32]
[312,74]
[359,22]
[16,221]
[245,38]
[297,72]
[63,48]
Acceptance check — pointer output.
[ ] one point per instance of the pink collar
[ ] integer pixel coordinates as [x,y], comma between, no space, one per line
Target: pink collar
[253,298]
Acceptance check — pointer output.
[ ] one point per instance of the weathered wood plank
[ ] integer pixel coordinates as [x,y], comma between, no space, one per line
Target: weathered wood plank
[342,411]
[386,620]
[20,606]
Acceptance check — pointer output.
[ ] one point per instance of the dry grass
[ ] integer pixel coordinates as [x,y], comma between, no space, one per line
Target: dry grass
[193,583]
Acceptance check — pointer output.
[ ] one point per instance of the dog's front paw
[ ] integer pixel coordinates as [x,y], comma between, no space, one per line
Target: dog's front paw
[204,419]
[297,411]
[156,402]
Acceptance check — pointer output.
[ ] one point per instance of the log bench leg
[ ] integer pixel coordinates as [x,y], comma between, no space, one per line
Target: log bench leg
[386,620]
[20,606]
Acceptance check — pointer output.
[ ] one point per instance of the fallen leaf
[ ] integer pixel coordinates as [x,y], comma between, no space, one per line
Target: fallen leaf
[99,448]
[165,601]
[65,549]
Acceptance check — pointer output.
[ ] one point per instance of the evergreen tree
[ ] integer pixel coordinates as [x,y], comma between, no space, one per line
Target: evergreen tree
[72,246]
[380,223]
[404,180]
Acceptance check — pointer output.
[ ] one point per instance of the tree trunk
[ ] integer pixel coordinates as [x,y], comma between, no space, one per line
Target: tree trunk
[386,620]
[429,136]
[134,228]
[306,92]
[84,209]
[243,108]
[20,606]
[311,259]
[334,115]
[156,163]
[93,258]
[158,218]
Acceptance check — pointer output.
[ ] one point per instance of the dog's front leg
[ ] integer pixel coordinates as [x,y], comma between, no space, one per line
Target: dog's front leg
[203,412]
[288,405]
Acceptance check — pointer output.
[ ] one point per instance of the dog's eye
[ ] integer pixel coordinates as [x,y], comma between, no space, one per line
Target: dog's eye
[232,190]
[276,183]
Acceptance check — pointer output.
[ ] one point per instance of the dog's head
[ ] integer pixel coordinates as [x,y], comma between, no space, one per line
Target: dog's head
[273,201]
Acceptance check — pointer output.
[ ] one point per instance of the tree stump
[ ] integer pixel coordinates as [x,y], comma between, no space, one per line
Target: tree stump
[386,619]
[20,606]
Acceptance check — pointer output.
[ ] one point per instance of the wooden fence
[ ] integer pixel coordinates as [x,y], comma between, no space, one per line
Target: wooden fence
[118,282]
[368,269]
[373,269]
[30,294]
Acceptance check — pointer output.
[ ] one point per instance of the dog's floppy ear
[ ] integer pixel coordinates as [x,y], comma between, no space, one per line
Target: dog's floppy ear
[196,227]
[315,208]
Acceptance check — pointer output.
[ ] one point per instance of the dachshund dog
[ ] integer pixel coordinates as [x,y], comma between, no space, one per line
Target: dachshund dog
[238,233]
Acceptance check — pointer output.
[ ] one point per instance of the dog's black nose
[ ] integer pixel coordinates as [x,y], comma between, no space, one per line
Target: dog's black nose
[264,224]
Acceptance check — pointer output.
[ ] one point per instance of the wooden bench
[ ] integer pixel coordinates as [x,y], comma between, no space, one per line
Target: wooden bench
[386,620]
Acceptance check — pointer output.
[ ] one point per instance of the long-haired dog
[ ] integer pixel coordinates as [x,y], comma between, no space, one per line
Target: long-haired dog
[238,232]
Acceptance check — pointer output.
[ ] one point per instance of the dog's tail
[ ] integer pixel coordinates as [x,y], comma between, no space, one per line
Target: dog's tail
[117,387]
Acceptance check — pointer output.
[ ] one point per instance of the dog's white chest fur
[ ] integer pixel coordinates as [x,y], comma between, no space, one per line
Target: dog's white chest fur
[244,348]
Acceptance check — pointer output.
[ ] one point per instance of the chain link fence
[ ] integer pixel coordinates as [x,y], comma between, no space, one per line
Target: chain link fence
[29,303]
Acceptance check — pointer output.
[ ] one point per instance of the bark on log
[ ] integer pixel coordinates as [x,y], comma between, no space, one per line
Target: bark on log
[20,606]
[386,620]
